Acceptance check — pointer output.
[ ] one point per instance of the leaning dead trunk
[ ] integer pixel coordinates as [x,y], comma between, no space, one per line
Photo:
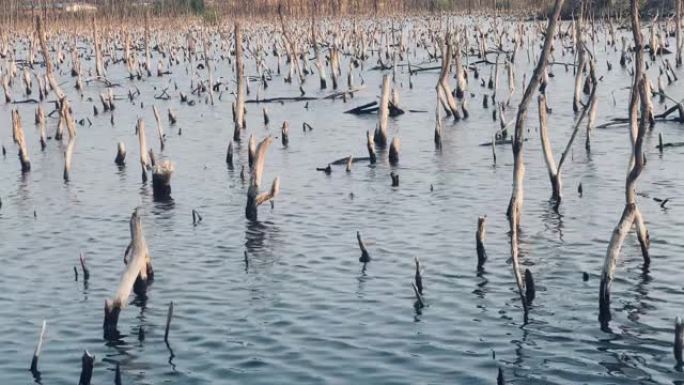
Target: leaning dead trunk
[254,198]
[48,63]
[630,214]
[443,88]
[515,206]
[553,170]
[138,273]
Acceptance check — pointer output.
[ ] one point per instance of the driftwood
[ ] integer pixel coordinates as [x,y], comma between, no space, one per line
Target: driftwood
[136,277]
[373,107]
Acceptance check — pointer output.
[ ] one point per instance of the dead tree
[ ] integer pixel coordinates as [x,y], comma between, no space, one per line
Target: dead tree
[380,136]
[20,140]
[630,214]
[144,156]
[48,62]
[254,198]
[136,277]
[553,170]
[161,180]
[99,68]
[515,206]
[443,89]
[678,33]
[239,106]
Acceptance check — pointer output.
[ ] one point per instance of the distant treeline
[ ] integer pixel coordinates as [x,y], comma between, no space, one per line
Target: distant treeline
[213,9]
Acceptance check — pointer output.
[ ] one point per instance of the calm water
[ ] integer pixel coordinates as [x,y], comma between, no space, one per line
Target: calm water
[304,311]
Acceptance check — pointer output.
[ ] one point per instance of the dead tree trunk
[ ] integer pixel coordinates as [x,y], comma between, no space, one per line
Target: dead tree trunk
[380,136]
[254,198]
[515,206]
[99,68]
[48,63]
[553,170]
[443,88]
[137,274]
[630,214]
[239,107]
[20,140]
